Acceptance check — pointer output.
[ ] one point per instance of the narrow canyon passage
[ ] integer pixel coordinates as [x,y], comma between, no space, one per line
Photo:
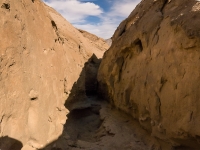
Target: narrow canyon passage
[99,126]
[52,78]
[94,124]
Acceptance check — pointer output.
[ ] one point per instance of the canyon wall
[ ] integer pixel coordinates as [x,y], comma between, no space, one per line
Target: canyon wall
[42,56]
[152,69]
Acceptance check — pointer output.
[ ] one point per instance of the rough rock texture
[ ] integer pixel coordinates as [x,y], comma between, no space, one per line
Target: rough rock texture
[41,56]
[152,69]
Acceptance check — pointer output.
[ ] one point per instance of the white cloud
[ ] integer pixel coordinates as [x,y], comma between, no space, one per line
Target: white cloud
[76,13]
[110,20]
[103,29]
[73,10]
[123,8]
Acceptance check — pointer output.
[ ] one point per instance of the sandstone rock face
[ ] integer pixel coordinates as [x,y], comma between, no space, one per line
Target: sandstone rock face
[41,57]
[152,69]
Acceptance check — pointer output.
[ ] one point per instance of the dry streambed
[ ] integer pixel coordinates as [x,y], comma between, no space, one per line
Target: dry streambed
[99,126]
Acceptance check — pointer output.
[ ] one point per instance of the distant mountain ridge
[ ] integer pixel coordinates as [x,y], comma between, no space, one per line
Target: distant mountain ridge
[109,41]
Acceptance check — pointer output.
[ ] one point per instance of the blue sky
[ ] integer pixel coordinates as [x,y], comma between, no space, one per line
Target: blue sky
[100,17]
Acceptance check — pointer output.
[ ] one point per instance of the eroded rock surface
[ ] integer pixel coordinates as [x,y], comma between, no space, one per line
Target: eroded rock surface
[41,56]
[152,70]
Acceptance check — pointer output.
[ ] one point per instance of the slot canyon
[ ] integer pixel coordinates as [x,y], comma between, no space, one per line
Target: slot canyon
[63,88]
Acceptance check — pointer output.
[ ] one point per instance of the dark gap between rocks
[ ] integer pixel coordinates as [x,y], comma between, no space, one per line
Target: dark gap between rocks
[54,25]
[6,6]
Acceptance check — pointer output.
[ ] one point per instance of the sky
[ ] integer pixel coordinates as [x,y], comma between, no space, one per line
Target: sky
[100,17]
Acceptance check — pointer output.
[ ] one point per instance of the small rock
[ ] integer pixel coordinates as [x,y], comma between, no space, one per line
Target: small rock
[33,95]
